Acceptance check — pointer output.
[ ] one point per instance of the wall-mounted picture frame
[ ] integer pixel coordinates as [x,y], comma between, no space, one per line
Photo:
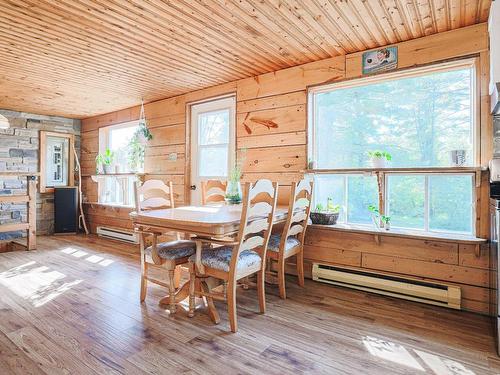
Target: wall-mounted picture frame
[57,160]
[380,60]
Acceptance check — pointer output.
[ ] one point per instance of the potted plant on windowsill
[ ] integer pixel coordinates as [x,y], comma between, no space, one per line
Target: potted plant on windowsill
[325,216]
[104,162]
[379,158]
[379,221]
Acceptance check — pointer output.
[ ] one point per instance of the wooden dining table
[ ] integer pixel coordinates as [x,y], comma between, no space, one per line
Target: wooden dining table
[215,221]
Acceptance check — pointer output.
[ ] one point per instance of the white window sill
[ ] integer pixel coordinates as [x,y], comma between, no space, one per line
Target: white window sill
[396,232]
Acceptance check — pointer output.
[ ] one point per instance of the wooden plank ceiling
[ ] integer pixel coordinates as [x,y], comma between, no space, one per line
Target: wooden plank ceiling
[80,58]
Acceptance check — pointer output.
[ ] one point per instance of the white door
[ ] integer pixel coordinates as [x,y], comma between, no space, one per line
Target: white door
[212,142]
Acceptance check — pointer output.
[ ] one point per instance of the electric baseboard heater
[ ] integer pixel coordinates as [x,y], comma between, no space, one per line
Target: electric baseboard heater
[394,286]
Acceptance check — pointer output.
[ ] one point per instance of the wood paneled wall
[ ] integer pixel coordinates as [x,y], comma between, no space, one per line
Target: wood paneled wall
[280,153]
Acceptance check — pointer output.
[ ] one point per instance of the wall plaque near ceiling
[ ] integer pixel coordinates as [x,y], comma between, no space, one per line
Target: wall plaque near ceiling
[56,160]
[380,60]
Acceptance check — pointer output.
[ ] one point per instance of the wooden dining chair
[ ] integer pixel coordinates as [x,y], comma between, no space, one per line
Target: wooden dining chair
[291,240]
[213,191]
[243,257]
[151,195]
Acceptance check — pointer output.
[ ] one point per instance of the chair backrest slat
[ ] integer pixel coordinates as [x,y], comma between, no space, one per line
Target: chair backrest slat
[259,205]
[213,191]
[298,212]
[153,195]
[251,243]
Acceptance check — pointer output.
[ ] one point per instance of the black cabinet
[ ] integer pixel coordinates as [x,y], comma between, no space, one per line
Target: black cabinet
[65,210]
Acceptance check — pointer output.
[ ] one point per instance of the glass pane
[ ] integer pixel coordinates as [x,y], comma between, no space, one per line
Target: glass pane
[361,192]
[213,127]
[119,140]
[330,186]
[418,120]
[213,161]
[450,203]
[406,195]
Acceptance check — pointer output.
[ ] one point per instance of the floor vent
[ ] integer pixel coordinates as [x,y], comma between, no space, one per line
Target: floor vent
[118,234]
[400,287]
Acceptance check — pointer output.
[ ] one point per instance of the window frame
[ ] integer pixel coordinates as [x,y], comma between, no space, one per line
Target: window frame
[426,229]
[469,62]
[382,177]
[124,179]
[382,174]
[104,133]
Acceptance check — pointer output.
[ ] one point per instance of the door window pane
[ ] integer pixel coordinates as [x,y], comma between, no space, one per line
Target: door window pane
[418,120]
[213,127]
[362,192]
[450,203]
[213,161]
[406,201]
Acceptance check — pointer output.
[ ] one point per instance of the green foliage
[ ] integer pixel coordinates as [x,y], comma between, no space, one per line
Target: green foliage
[144,130]
[106,158]
[418,120]
[330,207]
[136,153]
[380,154]
[136,146]
[385,219]
[373,209]
[236,172]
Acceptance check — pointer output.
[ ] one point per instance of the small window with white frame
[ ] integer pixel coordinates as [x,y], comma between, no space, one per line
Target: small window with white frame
[422,118]
[117,187]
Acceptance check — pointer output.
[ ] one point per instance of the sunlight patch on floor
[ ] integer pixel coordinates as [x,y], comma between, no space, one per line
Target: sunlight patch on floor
[38,284]
[391,352]
[397,353]
[96,259]
[443,366]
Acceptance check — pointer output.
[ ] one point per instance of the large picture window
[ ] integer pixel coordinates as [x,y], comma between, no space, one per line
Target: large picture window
[419,117]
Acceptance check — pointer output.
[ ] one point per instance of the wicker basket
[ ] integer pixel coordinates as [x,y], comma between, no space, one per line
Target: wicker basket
[324,218]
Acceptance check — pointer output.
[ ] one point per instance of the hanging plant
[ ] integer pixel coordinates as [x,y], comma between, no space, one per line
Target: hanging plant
[138,142]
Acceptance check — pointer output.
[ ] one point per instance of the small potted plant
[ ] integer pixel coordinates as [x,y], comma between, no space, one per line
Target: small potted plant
[379,221]
[387,222]
[379,158]
[105,161]
[233,188]
[328,216]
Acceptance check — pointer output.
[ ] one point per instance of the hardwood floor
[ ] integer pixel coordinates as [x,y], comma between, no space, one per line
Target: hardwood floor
[73,307]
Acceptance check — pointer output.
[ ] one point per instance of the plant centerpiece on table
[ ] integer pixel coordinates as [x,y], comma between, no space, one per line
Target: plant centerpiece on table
[137,147]
[379,158]
[379,221]
[325,216]
[104,162]
[233,188]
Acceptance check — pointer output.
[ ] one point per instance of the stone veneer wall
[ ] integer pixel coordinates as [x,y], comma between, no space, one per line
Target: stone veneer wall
[19,151]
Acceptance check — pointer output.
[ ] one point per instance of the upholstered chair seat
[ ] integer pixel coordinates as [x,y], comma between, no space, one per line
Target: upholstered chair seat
[275,240]
[220,258]
[173,249]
